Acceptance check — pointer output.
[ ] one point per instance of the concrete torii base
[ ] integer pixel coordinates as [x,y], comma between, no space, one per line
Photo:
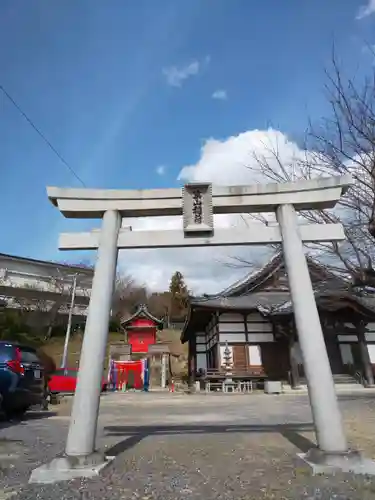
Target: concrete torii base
[351,461]
[66,468]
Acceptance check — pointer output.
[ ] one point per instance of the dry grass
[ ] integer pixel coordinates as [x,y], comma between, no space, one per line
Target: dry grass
[180,359]
[55,347]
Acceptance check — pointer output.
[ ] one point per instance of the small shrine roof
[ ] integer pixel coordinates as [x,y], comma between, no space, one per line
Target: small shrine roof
[142,313]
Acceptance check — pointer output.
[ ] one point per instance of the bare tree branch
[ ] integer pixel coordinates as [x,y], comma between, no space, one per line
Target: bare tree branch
[343,142]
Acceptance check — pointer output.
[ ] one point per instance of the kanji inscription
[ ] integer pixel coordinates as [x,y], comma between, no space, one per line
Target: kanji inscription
[197,208]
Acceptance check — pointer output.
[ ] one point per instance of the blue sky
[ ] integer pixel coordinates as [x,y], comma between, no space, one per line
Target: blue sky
[126,90]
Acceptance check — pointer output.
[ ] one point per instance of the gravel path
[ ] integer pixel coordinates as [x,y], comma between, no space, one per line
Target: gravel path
[190,447]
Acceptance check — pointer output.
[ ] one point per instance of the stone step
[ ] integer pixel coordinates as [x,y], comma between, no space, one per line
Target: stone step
[338,380]
[352,387]
[345,380]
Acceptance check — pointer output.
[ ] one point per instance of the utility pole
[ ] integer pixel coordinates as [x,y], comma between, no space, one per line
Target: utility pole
[69,326]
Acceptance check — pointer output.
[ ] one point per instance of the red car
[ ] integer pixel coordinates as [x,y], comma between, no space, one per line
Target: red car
[65,381]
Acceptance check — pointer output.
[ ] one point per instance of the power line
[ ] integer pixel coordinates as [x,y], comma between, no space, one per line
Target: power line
[40,133]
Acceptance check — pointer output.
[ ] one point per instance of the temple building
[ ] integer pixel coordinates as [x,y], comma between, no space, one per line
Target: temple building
[254,319]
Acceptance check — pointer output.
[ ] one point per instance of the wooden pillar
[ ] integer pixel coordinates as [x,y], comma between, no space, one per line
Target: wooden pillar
[247,354]
[217,356]
[189,361]
[294,371]
[291,333]
[365,356]
[217,350]
[192,361]
[286,332]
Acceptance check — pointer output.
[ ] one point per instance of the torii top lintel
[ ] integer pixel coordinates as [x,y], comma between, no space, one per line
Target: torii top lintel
[318,193]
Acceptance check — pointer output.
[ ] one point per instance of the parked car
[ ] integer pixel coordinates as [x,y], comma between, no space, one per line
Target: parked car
[21,378]
[64,381]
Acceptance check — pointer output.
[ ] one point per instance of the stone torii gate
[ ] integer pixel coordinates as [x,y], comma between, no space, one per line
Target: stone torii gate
[197,203]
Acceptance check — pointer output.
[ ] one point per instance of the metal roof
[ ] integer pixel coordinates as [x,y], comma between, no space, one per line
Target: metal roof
[66,266]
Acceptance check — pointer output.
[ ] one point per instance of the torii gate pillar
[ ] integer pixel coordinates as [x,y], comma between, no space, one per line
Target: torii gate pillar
[324,407]
[82,433]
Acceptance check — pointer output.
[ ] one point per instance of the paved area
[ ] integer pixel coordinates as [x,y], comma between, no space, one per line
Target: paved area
[171,446]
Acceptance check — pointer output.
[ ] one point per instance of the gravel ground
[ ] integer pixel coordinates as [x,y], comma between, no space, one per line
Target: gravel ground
[171,446]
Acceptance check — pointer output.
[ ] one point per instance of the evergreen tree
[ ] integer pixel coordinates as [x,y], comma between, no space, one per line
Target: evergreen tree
[179,295]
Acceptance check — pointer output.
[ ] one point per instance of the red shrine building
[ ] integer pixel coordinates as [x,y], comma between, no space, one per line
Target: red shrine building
[133,361]
[140,331]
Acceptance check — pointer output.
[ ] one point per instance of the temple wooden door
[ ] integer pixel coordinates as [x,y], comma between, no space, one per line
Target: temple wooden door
[239,357]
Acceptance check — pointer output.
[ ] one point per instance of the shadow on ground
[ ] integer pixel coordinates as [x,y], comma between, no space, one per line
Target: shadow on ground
[291,432]
[32,415]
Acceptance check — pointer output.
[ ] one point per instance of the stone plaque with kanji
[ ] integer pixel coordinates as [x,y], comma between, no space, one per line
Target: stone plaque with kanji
[197,208]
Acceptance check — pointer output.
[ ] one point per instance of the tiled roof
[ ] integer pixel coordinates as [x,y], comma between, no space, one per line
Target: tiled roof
[254,280]
[330,300]
[332,292]
[245,302]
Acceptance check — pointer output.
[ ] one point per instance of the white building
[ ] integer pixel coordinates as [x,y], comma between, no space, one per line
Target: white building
[44,288]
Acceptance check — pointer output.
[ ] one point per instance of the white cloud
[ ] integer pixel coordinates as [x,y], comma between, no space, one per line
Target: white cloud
[222,162]
[227,161]
[160,170]
[221,95]
[366,10]
[176,76]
